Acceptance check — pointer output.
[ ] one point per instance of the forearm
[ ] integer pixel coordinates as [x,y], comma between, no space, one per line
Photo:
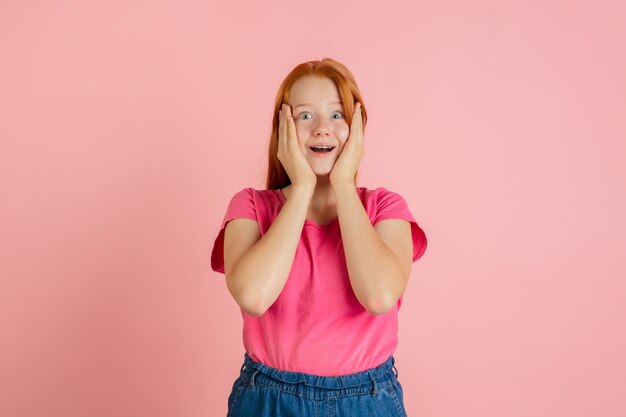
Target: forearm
[261,273]
[372,265]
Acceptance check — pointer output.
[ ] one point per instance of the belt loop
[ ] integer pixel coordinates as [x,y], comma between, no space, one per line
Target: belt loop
[395,371]
[375,389]
[252,378]
[241,370]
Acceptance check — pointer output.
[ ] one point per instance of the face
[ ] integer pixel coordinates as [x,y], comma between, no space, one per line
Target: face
[318,116]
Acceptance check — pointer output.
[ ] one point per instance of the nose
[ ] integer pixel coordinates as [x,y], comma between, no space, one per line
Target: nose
[322,128]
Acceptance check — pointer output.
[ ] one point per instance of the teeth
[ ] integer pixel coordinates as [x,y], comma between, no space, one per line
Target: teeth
[321,147]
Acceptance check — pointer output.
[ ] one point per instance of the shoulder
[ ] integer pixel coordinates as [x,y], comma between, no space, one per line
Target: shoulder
[245,192]
[265,196]
[252,194]
[263,202]
[242,197]
[257,193]
[387,204]
[384,203]
[379,195]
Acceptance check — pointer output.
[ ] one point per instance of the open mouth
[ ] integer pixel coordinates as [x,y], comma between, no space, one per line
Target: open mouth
[322,149]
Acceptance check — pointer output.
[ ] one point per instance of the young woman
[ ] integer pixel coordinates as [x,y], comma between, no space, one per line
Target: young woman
[317,264]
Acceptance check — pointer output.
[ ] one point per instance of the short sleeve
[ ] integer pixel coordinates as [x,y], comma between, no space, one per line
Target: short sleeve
[241,206]
[391,205]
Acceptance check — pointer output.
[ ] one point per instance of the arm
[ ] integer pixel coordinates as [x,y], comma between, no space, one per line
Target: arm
[259,275]
[377,275]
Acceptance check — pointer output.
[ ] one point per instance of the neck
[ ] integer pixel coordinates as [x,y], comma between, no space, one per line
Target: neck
[323,198]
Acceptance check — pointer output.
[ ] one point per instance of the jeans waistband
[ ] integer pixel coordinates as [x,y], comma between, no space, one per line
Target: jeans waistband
[332,382]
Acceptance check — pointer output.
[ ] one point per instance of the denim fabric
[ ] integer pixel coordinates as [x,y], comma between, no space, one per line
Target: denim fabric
[263,391]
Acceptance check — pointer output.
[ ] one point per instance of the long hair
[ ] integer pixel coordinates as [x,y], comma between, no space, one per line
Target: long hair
[348,92]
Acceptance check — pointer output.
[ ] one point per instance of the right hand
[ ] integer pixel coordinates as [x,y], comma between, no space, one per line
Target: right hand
[290,153]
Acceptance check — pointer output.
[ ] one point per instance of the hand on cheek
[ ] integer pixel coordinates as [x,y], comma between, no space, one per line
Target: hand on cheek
[347,164]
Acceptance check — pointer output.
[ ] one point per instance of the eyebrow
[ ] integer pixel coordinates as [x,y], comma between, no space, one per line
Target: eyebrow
[309,104]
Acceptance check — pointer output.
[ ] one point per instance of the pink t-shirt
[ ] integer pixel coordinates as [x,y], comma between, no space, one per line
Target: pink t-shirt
[317,325]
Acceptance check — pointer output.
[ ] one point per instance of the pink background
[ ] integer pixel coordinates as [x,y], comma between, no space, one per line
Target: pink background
[127,126]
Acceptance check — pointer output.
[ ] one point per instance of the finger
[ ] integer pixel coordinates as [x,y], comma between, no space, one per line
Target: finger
[283,119]
[285,126]
[359,116]
[353,123]
[280,124]
[355,115]
[281,129]
[291,127]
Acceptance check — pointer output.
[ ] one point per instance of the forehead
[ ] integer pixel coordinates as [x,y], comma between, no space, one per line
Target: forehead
[313,90]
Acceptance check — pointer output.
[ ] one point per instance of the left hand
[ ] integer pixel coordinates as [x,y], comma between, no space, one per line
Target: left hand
[348,162]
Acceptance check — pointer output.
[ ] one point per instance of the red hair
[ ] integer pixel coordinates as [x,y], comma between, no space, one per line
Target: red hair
[348,92]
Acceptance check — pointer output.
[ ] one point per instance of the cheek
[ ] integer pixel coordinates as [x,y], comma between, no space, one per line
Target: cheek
[342,133]
[302,132]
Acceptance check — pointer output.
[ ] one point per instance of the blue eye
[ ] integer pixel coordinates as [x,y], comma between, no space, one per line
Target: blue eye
[337,112]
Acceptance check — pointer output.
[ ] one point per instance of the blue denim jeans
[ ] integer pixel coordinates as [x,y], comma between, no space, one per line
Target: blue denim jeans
[263,391]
